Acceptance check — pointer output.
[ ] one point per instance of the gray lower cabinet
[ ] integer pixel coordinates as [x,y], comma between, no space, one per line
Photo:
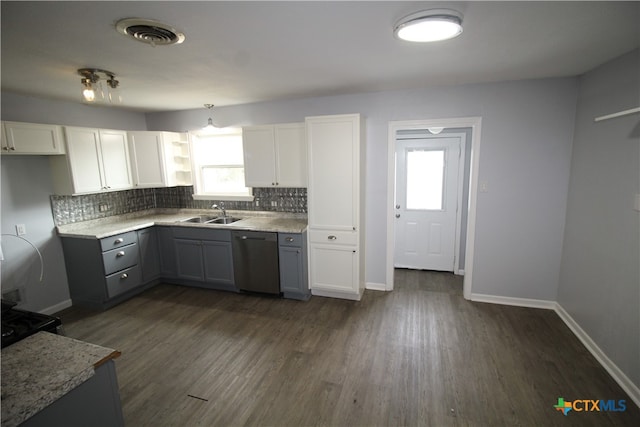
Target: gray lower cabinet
[102,272]
[204,256]
[96,402]
[149,254]
[292,252]
[168,269]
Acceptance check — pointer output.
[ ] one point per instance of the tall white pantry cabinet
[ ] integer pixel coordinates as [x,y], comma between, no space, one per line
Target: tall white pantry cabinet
[335,197]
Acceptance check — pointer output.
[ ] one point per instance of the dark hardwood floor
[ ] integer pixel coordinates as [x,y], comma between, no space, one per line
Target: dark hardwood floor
[418,356]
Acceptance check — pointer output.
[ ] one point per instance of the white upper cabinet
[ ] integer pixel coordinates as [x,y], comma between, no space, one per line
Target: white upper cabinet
[159,159]
[334,171]
[97,160]
[31,138]
[275,155]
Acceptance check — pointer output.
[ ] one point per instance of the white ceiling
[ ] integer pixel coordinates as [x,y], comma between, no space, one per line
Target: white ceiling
[242,52]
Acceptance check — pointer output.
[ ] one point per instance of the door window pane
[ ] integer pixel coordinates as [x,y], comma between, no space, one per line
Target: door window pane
[425,179]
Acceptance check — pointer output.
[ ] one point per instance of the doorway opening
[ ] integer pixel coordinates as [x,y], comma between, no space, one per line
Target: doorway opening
[432,227]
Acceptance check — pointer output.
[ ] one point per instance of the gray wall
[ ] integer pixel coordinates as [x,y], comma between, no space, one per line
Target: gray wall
[26,187]
[527,133]
[600,279]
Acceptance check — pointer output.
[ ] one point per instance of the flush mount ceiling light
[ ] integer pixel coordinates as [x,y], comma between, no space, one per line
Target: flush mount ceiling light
[429,26]
[92,89]
[149,31]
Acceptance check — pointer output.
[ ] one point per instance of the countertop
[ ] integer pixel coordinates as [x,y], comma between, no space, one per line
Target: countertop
[251,220]
[42,368]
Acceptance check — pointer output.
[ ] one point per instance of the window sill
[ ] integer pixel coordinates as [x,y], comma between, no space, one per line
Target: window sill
[225,197]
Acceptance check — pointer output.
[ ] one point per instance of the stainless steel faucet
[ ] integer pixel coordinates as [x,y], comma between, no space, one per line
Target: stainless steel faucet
[221,208]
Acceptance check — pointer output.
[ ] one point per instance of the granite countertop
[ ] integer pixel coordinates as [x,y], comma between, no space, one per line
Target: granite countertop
[42,368]
[251,220]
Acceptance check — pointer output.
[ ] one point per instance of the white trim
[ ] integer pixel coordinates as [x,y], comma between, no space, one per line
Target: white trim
[475,123]
[459,272]
[376,286]
[56,307]
[517,302]
[225,197]
[623,381]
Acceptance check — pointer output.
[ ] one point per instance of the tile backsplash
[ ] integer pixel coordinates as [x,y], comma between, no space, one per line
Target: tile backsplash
[70,209]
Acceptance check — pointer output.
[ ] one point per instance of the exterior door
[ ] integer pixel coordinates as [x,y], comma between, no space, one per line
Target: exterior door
[426,203]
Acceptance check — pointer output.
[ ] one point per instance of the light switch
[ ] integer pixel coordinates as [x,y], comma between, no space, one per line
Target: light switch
[484,187]
[21,229]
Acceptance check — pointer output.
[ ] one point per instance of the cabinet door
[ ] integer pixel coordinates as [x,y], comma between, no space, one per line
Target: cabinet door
[291,270]
[115,159]
[189,259]
[83,150]
[259,156]
[149,254]
[291,152]
[334,268]
[32,138]
[147,159]
[218,262]
[167,251]
[333,153]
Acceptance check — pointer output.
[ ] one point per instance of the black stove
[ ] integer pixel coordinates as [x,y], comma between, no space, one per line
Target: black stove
[18,324]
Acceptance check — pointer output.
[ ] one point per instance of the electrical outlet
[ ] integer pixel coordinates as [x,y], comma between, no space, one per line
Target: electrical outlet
[21,229]
[103,207]
[484,187]
[274,204]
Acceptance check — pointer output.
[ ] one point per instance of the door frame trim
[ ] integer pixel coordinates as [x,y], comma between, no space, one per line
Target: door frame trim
[475,123]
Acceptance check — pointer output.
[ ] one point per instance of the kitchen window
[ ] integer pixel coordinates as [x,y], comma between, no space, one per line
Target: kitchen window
[218,166]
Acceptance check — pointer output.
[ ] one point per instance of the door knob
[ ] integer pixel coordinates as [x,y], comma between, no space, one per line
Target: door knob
[397,206]
[397,215]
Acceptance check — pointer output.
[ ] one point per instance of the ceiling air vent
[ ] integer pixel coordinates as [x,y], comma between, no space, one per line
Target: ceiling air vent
[149,31]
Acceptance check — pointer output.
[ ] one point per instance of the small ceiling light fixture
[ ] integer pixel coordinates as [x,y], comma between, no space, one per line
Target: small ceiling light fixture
[92,89]
[435,130]
[149,31]
[429,26]
[209,127]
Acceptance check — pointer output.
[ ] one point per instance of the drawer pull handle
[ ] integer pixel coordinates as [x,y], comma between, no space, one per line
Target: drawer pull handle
[289,239]
[332,237]
[124,276]
[120,240]
[120,254]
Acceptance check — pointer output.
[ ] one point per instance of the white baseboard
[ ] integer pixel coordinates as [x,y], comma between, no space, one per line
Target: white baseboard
[376,286]
[57,307]
[627,385]
[518,302]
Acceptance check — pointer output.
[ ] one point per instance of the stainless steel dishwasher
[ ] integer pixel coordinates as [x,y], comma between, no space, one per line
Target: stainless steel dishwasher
[255,261]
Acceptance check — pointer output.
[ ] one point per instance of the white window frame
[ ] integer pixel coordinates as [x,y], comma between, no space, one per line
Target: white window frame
[197,168]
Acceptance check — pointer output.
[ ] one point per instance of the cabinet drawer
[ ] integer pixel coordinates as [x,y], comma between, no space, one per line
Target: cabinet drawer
[123,281]
[333,237]
[201,233]
[119,240]
[119,259]
[290,239]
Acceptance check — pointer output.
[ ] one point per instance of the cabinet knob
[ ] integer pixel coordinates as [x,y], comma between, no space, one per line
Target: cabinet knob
[332,237]
[120,254]
[12,148]
[124,276]
[119,240]
[289,239]
[5,148]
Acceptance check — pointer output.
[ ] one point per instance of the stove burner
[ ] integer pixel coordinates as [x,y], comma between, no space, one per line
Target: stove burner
[19,324]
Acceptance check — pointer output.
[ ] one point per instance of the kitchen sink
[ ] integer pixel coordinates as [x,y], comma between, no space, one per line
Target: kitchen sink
[200,219]
[223,220]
